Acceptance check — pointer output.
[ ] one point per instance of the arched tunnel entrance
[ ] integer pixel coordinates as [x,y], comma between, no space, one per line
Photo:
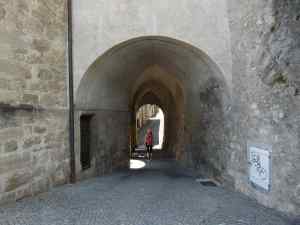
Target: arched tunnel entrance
[182,80]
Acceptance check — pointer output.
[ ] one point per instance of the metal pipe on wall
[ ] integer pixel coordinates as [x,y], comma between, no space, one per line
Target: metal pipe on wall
[71,94]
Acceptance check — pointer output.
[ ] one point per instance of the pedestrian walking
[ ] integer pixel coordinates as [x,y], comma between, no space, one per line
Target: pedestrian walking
[149,143]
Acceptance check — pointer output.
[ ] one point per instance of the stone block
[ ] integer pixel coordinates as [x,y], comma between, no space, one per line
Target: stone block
[24,192]
[39,171]
[15,70]
[14,162]
[50,138]
[40,158]
[297,194]
[57,154]
[5,84]
[41,45]
[59,177]
[11,133]
[30,142]
[7,197]
[28,130]
[18,179]
[11,146]
[2,13]
[40,130]
[30,99]
[9,96]
[45,74]
[8,119]
[49,100]
[40,186]
[29,118]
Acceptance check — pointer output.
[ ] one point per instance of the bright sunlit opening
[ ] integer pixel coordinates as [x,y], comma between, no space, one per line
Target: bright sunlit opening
[160,116]
[136,164]
[150,117]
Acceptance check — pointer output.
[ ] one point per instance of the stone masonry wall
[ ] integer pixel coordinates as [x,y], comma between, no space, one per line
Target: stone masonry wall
[266,101]
[33,97]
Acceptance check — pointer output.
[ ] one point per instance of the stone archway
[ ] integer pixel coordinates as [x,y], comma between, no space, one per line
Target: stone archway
[185,82]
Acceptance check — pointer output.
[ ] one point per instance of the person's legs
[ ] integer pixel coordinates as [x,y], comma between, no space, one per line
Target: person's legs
[150,152]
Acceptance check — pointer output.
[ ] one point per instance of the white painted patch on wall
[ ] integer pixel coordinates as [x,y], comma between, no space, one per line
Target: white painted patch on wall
[259,167]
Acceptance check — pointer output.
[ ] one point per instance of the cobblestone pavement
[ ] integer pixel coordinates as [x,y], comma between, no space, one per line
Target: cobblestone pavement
[140,197]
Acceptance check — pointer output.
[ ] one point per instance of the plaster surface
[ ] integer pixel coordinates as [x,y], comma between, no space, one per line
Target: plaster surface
[100,25]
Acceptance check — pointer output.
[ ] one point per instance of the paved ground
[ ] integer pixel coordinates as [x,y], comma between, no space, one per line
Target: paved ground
[157,195]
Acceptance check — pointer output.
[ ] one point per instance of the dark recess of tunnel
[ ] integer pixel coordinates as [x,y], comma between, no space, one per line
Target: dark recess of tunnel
[155,93]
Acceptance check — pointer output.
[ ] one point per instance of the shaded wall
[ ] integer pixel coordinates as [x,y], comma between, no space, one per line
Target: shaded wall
[34,151]
[266,53]
[109,141]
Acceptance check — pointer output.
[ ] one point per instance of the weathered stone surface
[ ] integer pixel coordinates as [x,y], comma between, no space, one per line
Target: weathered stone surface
[45,74]
[33,65]
[49,100]
[14,162]
[30,99]
[28,143]
[11,146]
[40,186]
[297,194]
[7,197]
[266,105]
[11,133]
[24,192]
[8,119]
[4,84]
[40,130]
[59,178]
[2,13]
[41,45]
[18,179]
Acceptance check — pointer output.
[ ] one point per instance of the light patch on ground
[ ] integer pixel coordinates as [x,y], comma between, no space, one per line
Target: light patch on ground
[136,164]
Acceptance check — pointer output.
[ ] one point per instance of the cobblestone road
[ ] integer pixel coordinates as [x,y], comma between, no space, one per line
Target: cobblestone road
[143,197]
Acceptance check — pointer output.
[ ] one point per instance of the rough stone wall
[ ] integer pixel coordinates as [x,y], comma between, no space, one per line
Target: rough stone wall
[33,97]
[266,101]
[210,129]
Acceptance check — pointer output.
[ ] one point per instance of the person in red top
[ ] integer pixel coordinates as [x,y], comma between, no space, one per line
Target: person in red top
[149,143]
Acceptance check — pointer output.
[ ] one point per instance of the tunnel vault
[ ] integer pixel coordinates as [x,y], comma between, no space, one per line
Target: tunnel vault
[179,78]
[154,92]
